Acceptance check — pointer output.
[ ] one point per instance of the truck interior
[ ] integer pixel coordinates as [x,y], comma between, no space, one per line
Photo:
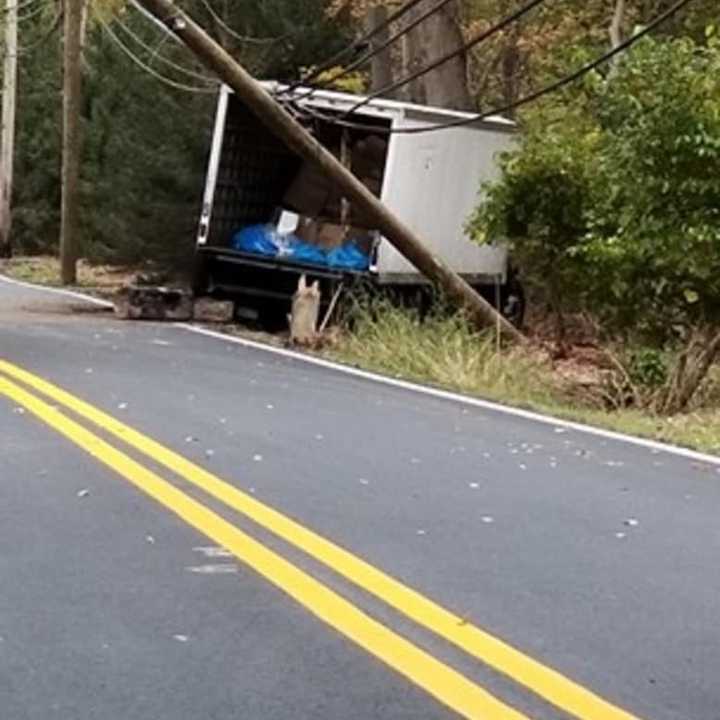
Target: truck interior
[271,211]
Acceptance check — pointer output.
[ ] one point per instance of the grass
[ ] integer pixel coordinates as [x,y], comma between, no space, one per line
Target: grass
[445,352]
[45,270]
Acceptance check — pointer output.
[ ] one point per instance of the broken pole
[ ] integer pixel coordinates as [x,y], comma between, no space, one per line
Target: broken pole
[284,126]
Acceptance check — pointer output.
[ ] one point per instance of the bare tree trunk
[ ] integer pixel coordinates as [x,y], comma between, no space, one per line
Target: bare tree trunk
[690,376]
[414,56]
[72,141]
[511,61]
[447,85]
[616,35]
[278,121]
[381,65]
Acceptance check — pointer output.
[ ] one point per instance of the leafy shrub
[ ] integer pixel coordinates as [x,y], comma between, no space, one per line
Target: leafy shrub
[611,201]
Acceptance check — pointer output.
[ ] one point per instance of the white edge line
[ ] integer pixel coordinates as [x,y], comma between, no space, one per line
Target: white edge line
[404,384]
[57,291]
[458,398]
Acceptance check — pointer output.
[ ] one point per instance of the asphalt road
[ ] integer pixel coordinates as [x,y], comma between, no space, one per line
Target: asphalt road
[595,560]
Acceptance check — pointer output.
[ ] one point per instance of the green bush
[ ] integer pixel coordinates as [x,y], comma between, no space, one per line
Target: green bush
[611,201]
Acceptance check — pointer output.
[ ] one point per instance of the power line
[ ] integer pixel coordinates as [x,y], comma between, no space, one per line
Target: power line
[161,58]
[17,7]
[380,48]
[525,100]
[498,27]
[33,13]
[151,71]
[332,61]
[242,38]
[27,49]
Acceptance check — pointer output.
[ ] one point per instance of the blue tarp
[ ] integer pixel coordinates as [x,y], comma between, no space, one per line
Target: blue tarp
[265,240]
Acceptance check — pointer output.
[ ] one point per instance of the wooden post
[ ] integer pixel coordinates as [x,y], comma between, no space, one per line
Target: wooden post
[71,140]
[7,151]
[283,125]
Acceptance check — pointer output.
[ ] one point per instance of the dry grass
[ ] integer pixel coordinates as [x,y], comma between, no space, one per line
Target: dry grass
[44,270]
[442,350]
[445,352]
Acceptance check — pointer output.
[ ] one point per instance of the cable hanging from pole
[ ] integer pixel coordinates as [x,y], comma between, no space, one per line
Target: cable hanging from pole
[33,13]
[151,71]
[233,33]
[494,30]
[332,61]
[344,72]
[525,100]
[161,58]
[380,48]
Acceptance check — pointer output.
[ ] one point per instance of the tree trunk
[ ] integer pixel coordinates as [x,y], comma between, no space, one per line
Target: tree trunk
[381,65]
[690,379]
[511,61]
[278,121]
[414,56]
[616,35]
[447,85]
[71,141]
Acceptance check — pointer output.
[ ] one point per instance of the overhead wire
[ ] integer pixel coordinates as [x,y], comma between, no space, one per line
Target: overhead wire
[357,44]
[27,49]
[18,6]
[161,58]
[485,35]
[150,70]
[520,102]
[242,38]
[344,72]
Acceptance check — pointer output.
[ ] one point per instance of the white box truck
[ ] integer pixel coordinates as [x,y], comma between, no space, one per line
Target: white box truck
[267,217]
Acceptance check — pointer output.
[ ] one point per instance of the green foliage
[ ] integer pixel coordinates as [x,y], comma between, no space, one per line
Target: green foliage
[648,368]
[145,143]
[442,348]
[611,201]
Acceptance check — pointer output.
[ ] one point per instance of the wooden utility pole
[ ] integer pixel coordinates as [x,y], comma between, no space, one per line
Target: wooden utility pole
[7,140]
[73,22]
[282,124]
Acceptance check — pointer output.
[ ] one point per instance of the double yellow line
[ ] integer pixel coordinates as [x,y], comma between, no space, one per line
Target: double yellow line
[438,679]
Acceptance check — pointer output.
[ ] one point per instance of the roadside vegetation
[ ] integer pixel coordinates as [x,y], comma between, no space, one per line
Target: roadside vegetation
[611,205]
[610,200]
[446,352]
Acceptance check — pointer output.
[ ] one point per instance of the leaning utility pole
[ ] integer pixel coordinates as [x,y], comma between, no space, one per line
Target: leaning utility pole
[7,140]
[260,102]
[73,22]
